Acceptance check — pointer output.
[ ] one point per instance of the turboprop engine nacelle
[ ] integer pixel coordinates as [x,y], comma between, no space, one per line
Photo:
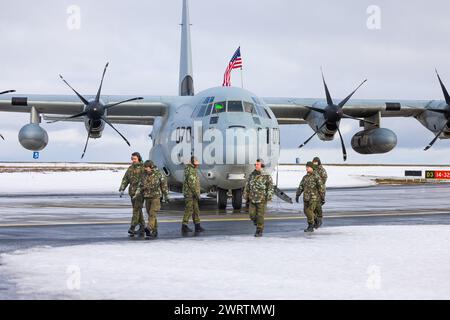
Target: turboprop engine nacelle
[379,140]
[97,128]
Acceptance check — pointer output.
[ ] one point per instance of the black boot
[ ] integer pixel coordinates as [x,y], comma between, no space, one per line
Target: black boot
[317,223]
[310,228]
[185,230]
[258,233]
[198,228]
[147,233]
[141,231]
[154,234]
[131,231]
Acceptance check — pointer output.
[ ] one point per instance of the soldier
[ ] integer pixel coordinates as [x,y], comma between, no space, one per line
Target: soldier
[191,192]
[132,178]
[313,193]
[318,214]
[152,187]
[258,190]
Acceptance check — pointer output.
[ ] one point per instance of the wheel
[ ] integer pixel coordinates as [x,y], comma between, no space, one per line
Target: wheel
[237,199]
[222,198]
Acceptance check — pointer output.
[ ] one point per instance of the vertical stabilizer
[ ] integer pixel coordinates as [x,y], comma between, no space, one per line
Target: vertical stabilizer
[186,84]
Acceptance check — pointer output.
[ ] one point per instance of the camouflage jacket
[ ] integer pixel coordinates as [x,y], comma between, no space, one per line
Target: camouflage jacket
[191,185]
[322,173]
[153,185]
[259,187]
[132,177]
[312,187]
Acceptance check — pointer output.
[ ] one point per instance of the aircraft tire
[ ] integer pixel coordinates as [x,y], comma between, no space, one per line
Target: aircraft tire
[237,199]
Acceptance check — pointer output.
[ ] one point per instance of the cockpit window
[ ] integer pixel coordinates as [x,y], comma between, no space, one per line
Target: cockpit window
[211,99]
[219,107]
[255,100]
[201,112]
[235,106]
[249,107]
[208,110]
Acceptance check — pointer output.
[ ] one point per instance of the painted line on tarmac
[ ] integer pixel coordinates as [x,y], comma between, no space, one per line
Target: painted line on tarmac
[76,223]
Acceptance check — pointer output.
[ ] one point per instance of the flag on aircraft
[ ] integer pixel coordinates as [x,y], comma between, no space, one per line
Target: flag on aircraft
[235,63]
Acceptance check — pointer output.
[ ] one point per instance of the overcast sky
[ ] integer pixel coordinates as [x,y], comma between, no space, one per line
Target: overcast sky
[283,44]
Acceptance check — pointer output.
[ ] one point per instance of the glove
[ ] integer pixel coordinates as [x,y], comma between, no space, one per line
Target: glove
[121,193]
[296,198]
[322,202]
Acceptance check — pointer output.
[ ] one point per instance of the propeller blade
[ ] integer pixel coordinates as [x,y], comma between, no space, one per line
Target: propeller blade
[87,140]
[316,132]
[2,137]
[437,110]
[79,95]
[344,152]
[97,97]
[327,92]
[110,124]
[7,91]
[435,138]
[444,90]
[68,118]
[346,116]
[343,102]
[116,104]
[315,109]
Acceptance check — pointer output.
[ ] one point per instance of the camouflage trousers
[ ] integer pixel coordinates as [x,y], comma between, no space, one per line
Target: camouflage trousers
[318,212]
[138,216]
[191,210]
[309,208]
[257,212]
[152,207]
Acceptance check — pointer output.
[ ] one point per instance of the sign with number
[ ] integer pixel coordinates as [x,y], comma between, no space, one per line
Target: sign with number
[437,174]
[35,155]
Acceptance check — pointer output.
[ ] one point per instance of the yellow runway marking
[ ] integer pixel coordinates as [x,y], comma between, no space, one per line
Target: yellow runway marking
[224,219]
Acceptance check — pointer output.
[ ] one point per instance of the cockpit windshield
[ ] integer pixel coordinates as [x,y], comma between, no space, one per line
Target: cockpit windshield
[208,107]
[235,106]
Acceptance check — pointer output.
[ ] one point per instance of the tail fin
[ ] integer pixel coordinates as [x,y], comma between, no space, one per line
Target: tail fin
[186,85]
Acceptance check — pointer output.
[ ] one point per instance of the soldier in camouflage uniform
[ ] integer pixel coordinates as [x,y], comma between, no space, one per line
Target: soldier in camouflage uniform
[313,194]
[318,214]
[258,190]
[131,179]
[152,187]
[191,192]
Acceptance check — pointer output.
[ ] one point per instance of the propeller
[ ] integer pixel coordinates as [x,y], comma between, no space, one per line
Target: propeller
[7,91]
[445,111]
[4,92]
[333,113]
[95,110]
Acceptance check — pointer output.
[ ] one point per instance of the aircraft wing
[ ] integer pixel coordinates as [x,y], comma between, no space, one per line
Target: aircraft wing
[294,111]
[54,107]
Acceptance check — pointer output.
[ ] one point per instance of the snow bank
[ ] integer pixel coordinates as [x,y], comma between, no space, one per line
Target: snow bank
[381,262]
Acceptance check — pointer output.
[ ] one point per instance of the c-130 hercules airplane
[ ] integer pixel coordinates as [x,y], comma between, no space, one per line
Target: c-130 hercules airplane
[229,117]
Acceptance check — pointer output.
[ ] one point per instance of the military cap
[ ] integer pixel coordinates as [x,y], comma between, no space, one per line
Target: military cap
[310,164]
[317,159]
[149,163]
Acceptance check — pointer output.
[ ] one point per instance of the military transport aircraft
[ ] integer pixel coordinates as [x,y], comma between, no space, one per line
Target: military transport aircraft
[190,119]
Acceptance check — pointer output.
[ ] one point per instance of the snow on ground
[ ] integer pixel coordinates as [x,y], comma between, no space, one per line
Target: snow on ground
[106,178]
[370,262]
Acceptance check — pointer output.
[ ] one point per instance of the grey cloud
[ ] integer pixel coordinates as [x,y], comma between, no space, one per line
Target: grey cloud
[284,43]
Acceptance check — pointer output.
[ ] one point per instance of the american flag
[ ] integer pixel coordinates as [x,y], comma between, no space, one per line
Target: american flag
[235,63]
